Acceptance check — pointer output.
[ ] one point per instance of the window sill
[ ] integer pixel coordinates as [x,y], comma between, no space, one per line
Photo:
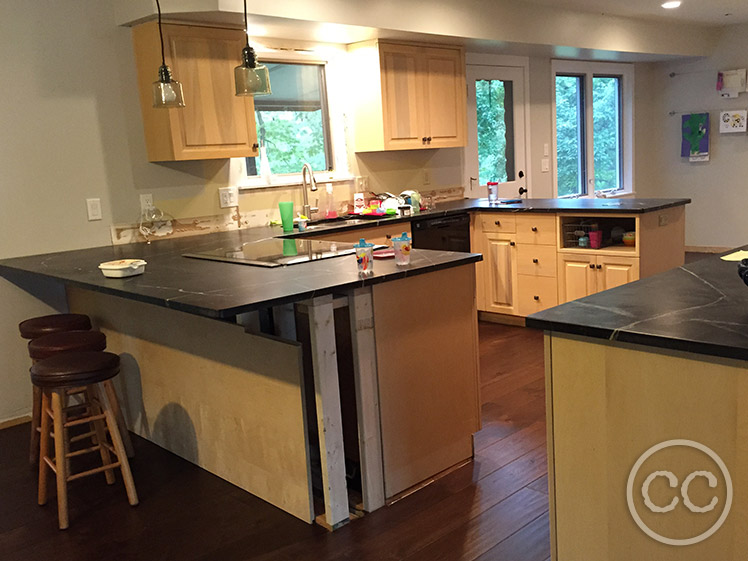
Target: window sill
[292,181]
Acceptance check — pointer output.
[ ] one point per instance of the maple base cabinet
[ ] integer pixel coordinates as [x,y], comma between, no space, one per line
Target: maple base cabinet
[408,96]
[526,267]
[215,123]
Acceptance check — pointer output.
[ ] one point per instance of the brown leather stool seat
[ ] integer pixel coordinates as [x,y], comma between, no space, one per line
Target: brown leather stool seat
[73,369]
[43,325]
[90,372]
[65,342]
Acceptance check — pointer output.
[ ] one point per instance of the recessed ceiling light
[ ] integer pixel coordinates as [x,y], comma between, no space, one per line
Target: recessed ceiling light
[671,5]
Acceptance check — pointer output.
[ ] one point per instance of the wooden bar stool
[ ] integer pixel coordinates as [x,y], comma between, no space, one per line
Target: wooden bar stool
[54,376]
[70,341]
[32,329]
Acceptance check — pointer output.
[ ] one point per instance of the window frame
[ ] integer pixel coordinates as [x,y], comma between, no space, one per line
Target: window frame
[588,71]
[333,112]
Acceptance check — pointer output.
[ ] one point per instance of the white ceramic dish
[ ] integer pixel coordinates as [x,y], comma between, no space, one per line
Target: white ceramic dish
[123,268]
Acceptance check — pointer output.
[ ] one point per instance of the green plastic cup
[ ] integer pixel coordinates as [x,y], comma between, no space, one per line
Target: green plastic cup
[286,211]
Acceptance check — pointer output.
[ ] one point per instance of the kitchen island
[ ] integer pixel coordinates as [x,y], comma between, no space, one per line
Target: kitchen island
[646,390]
[236,368]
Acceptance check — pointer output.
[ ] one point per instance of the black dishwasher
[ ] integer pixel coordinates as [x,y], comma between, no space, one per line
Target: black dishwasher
[447,233]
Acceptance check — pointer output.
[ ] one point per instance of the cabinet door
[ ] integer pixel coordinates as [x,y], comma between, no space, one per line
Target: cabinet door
[214,123]
[402,103]
[214,118]
[576,276]
[443,73]
[615,271]
[500,273]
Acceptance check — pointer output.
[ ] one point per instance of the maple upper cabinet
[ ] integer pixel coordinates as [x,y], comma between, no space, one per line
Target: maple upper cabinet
[407,96]
[215,123]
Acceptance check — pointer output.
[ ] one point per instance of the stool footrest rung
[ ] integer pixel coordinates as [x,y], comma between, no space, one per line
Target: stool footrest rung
[82,451]
[50,463]
[93,471]
[83,420]
[83,436]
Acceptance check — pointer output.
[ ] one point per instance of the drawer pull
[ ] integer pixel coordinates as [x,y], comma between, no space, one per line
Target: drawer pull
[534,260]
[592,265]
[536,298]
[599,266]
[498,222]
[534,229]
[512,244]
[424,139]
[428,139]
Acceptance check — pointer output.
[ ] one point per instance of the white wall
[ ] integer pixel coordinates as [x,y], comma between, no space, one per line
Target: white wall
[716,218]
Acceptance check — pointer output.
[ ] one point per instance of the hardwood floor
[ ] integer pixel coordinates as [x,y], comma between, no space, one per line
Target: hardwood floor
[492,509]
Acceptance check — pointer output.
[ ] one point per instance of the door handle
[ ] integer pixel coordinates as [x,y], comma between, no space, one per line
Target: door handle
[522,190]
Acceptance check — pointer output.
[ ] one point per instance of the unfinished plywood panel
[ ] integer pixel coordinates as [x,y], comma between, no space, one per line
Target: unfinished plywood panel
[610,404]
[228,401]
[427,363]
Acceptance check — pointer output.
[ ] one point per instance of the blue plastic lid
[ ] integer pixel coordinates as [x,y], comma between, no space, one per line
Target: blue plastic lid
[363,243]
[403,238]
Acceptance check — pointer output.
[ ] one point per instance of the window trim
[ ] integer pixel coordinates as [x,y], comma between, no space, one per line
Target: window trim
[335,116]
[588,70]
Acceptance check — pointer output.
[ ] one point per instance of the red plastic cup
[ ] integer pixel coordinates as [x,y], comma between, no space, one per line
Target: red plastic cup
[596,239]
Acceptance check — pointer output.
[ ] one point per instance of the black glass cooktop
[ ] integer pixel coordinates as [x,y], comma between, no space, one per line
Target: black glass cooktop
[276,252]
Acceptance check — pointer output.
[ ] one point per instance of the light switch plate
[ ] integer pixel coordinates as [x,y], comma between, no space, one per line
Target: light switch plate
[545,165]
[228,197]
[93,207]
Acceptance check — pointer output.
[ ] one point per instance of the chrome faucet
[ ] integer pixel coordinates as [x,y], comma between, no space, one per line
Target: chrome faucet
[312,184]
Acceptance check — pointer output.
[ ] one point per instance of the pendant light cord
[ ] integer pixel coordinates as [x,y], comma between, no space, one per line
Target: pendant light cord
[161,33]
[246,27]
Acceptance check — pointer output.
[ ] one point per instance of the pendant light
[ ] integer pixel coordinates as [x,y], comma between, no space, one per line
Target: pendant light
[166,92]
[249,77]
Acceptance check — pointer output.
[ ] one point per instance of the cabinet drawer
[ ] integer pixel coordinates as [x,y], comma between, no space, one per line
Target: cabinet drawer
[536,229]
[536,293]
[536,260]
[497,222]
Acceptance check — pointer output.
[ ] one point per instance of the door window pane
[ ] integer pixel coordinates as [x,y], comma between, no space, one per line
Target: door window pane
[569,135]
[606,111]
[494,110]
[292,122]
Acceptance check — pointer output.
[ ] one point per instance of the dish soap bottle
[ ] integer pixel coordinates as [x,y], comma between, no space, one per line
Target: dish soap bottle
[330,211]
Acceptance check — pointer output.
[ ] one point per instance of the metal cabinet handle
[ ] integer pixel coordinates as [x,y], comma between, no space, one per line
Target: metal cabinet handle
[534,229]
[592,265]
[255,146]
[534,260]
[424,139]
[599,266]
[498,222]
[429,139]
[536,297]
[511,243]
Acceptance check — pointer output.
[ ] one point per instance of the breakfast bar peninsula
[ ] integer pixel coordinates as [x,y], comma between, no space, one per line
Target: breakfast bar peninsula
[295,382]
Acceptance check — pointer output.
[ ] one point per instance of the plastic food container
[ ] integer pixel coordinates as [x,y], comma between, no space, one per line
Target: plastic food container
[123,268]
[629,239]
[402,247]
[365,257]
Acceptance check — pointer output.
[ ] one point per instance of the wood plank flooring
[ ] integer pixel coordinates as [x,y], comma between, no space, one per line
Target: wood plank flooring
[492,509]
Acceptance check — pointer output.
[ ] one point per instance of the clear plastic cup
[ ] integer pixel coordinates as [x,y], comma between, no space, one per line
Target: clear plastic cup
[365,257]
[402,247]
[493,192]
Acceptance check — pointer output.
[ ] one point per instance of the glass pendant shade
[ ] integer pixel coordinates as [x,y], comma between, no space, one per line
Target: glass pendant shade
[251,78]
[167,92]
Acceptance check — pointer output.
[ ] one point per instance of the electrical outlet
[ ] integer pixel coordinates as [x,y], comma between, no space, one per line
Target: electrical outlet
[146,202]
[663,219]
[545,165]
[426,177]
[362,184]
[228,197]
[93,206]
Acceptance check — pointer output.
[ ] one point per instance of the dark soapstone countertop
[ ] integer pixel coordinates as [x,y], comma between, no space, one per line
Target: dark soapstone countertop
[213,289]
[548,206]
[701,307]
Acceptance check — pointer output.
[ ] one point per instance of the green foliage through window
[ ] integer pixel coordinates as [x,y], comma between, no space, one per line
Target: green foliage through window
[292,122]
[571,140]
[495,131]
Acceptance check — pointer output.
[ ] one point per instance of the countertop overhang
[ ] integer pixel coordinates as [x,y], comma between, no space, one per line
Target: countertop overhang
[701,308]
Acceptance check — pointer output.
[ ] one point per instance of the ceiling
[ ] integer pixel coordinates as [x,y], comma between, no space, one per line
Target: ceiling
[711,12]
